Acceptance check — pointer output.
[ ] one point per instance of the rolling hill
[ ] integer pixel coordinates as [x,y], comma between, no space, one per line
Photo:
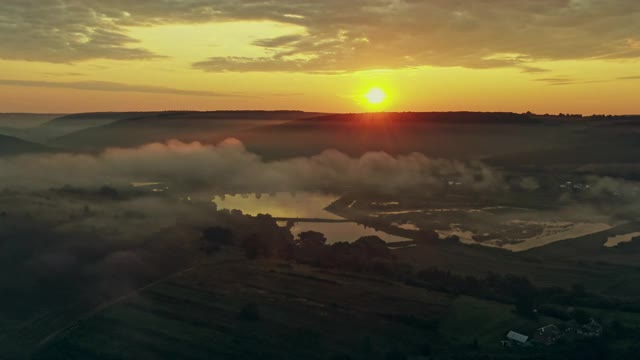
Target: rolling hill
[20,124]
[461,135]
[71,123]
[24,120]
[10,146]
[199,314]
[206,127]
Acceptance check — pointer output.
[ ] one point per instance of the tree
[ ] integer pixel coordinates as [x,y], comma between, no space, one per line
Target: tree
[373,247]
[216,236]
[312,239]
[255,247]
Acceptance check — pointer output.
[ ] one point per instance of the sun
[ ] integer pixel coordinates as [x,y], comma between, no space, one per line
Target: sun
[375,96]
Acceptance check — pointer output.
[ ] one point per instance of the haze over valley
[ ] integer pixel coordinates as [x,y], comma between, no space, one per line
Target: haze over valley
[323,180]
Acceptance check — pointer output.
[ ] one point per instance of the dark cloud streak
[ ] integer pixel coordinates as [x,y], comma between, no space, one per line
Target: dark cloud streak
[112,86]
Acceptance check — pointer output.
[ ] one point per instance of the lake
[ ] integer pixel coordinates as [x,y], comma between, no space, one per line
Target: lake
[302,205]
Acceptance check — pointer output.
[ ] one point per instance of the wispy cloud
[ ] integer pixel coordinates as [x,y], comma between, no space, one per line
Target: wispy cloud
[64,74]
[558,80]
[533,69]
[565,80]
[113,86]
[339,35]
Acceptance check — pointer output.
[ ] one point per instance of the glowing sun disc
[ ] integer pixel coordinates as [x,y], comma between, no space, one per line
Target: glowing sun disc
[375,96]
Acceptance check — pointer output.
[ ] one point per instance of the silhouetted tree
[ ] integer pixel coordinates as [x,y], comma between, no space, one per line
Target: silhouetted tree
[372,247]
[255,247]
[216,236]
[311,239]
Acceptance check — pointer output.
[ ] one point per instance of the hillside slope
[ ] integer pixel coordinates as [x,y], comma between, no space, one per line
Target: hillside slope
[209,127]
[10,146]
[75,122]
[243,310]
[460,135]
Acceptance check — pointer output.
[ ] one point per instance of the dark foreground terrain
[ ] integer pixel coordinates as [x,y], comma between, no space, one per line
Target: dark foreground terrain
[124,255]
[238,309]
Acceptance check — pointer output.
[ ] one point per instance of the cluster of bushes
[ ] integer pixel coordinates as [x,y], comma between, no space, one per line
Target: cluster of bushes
[310,247]
[371,254]
[519,290]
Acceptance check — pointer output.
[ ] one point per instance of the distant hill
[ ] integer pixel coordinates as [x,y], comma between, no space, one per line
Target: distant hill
[63,125]
[613,143]
[424,117]
[20,124]
[10,146]
[24,120]
[462,135]
[209,127]
[504,139]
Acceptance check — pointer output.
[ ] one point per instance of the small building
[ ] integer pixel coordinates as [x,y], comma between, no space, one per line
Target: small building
[547,335]
[517,338]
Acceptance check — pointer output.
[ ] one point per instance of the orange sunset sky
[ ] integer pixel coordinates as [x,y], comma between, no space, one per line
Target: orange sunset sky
[578,56]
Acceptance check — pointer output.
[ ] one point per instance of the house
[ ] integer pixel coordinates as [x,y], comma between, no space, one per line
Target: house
[547,335]
[517,338]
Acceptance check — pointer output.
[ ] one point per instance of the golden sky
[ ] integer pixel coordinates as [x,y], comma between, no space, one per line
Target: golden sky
[577,56]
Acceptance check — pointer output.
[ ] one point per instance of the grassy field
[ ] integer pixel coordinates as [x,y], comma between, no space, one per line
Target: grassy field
[302,312]
[602,277]
[471,319]
[232,308]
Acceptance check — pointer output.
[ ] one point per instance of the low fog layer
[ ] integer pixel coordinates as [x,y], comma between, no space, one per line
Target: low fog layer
[229,168]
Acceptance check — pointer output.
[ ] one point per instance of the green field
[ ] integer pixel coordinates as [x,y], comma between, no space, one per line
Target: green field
[302,313]
[471,319]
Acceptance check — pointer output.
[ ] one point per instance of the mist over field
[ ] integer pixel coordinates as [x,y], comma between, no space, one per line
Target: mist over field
[228,168]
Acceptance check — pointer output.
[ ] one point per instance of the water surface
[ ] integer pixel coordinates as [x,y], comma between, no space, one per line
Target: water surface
[302,205]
